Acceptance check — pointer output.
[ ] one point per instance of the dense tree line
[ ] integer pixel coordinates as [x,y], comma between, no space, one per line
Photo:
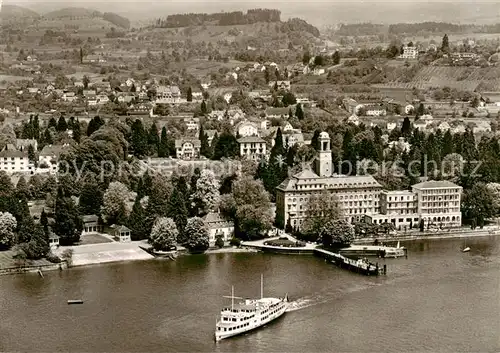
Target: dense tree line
[221,19]
[117,20]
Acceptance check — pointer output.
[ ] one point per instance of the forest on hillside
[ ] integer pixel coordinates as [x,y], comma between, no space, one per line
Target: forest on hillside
[221,18]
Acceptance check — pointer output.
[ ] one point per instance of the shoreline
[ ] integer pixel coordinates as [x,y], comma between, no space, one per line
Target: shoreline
[94,258]
[472,234]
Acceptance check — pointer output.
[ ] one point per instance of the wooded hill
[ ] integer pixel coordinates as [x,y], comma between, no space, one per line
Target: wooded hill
[236,18]
[12,14]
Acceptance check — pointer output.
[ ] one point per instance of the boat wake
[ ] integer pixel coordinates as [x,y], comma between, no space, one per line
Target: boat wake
[303,303]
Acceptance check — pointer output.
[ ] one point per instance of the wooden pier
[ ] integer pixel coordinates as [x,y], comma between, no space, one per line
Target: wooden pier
[359,266]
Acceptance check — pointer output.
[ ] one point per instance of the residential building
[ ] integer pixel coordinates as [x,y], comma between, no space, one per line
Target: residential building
[398,208]
[187,148]
[276,113]
[217,225]
[14,161]
[192,124]
[92,59]
[281,85]
[438,203]
[252,147]
[48,159]
[168,94]
[356,195]
[102,99]
[409,53]
[371,110]
[247,128]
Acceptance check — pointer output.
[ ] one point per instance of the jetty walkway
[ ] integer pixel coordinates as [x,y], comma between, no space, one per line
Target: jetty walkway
[358,266]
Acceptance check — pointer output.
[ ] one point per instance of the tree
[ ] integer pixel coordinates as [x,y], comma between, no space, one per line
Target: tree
[153,139]
[306,57]
[91,198]
[22,190]
[206,197]
[336,58]
[77,133]
[494,189]
[445,45]
[44,221]
[319,209]
[249,206]
[288,227]
[203,108]
[116,203]
[337,233]
[219,240]
[86,82]
[164,234]
[8,224]
[196,235]
[163,148]
[189,95]
[68,224]
[205,146]
[139,139]
[478,204]
[288,99]
[406,128]
[94,125]
[227,146]
[38,246]
[299,113]
[137,221]
[178,211]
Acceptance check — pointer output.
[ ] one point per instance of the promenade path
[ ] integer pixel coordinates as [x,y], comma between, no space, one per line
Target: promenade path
[106,252]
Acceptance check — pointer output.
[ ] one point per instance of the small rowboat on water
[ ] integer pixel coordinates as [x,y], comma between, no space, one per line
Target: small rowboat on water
[75,301]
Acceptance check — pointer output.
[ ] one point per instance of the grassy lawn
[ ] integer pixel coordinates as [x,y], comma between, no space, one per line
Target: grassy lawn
[93,239]
[284,243]
[7,261]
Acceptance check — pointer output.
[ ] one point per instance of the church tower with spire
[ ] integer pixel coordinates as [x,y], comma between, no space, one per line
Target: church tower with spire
[323,165]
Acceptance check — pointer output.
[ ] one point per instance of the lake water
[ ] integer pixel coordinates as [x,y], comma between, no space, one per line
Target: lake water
[439,299]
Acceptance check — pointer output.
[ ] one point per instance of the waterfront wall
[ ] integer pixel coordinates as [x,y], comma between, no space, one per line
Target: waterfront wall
[33,269]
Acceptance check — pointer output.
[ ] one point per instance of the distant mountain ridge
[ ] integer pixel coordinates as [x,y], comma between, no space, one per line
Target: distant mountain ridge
[13,13]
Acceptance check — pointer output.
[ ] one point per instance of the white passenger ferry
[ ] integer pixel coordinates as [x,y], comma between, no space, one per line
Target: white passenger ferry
[248,314]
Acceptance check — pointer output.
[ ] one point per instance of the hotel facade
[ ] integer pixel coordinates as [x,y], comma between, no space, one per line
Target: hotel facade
[362,198]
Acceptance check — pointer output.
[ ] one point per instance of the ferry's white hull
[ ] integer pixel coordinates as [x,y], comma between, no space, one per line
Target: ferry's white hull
[253,324]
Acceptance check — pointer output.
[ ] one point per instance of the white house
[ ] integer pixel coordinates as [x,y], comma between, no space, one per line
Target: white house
[187,148]
[409,53]
[192,124]
[218,226]
[247,128]
[14,161]
[282,85]
[48,159]
[168,94]
[252,147]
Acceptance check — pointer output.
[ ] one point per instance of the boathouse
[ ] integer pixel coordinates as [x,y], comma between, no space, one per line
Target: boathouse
[218,226]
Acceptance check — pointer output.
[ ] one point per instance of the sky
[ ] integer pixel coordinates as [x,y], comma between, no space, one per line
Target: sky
[314,11]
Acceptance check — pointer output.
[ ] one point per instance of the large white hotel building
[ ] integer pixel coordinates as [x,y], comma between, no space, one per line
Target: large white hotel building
[363,198]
